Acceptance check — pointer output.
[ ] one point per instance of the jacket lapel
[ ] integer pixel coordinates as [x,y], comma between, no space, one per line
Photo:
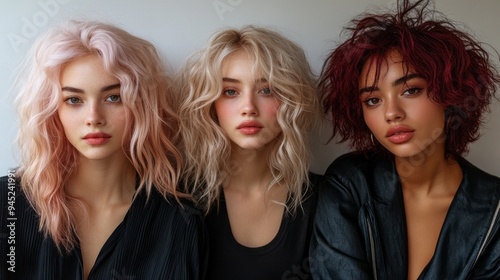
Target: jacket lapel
[467,221]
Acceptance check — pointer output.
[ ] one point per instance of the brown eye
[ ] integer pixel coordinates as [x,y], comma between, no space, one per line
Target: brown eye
[371,102]
[412,91]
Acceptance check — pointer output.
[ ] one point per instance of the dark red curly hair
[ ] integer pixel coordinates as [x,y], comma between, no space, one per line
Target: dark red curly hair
[457,68]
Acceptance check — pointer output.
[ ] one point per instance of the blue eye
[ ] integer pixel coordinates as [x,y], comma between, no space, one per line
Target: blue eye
[73,100]
[230,92]
[266,91]
[114,98]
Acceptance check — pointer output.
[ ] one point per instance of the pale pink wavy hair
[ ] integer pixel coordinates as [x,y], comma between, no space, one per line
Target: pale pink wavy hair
[48,159]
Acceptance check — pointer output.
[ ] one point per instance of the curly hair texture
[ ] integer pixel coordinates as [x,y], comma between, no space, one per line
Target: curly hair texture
[48,159]
[456,66]
[284,64]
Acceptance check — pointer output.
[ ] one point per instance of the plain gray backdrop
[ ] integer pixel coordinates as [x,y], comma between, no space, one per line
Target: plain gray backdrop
[178,28]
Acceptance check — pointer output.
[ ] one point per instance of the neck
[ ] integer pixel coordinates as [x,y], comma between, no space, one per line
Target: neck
[429,173]
[250,169]
[103,181]
[250,179]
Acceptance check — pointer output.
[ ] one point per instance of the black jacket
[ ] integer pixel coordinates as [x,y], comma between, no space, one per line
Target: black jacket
[360,226]
[158,239]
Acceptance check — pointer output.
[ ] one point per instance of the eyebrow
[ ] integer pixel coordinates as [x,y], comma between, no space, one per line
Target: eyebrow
[77,90]
[397,82]
[231,80]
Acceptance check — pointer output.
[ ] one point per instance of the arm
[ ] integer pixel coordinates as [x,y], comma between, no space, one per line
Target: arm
[337,245]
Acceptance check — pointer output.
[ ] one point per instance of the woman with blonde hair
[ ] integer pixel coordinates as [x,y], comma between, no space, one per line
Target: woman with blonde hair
[249,104]
[95,194]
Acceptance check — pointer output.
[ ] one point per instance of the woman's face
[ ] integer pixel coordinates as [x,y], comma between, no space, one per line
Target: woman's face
[398,110]
[247,107]
[91,111]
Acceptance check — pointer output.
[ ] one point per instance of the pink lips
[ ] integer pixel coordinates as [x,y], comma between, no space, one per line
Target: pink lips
[97,138]
[399,134]
[250,127]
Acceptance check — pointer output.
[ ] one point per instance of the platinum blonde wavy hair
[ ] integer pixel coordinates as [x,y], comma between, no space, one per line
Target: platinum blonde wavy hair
[207,150]
[48,159]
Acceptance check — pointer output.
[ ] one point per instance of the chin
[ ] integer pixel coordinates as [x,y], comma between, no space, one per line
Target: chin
[415,157]
[251,146]
[407,152]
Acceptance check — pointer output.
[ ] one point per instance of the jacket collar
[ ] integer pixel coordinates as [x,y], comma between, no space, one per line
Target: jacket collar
[468,219]
[462,235]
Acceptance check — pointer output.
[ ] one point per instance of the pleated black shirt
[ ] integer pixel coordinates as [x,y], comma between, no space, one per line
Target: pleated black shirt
[158,239]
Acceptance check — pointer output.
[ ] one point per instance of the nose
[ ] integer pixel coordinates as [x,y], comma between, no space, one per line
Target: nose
[393,110]
[94,115]
[248,105]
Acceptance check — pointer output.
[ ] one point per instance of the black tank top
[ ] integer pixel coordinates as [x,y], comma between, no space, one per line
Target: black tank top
[285,257]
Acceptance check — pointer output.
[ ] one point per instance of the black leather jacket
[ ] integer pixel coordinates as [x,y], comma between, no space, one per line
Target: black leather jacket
[360,225]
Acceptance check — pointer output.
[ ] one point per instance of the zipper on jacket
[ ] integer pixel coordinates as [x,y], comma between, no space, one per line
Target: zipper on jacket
[488,233]
[372,249]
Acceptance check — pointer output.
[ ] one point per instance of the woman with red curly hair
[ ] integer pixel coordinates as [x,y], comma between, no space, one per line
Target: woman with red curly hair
[408,91]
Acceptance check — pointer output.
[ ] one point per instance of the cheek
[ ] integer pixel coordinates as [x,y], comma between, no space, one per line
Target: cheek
[432,114]
[69,127]
[370,119]
[219,110]
[272,113]
[437,121]
[270,108]
[65,118]
[119,114]
[120,121]
[224,113]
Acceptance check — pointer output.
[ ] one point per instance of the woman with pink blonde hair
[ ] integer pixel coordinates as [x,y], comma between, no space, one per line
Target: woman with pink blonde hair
[95,194]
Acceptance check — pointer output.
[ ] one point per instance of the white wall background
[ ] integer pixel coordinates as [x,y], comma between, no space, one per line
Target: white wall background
[178,28]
